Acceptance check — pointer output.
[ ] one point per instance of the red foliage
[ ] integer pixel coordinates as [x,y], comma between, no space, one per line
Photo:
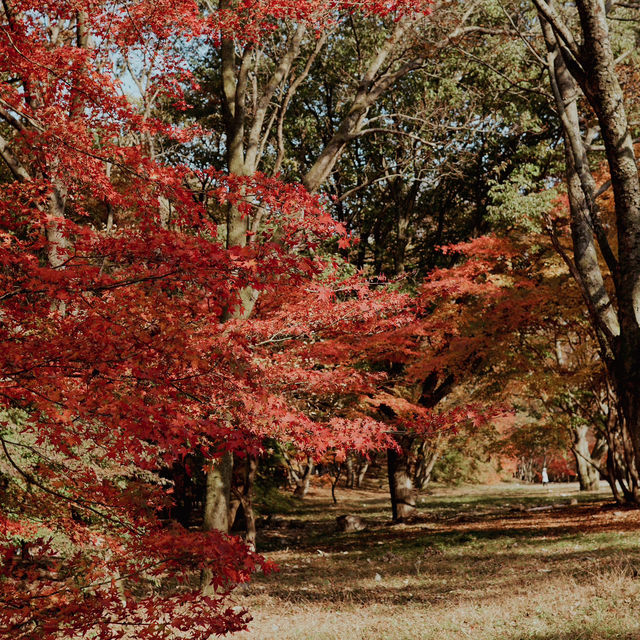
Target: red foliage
[251,19]
[116,358]
[374,346]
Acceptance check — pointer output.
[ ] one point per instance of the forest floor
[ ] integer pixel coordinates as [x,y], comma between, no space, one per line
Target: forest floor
[476,563]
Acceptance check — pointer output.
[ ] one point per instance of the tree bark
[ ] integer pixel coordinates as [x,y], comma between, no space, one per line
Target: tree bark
[621,463]
[428,456]
[401,489]
[217,503]
[586,463]
[350,471]
[371,87]
[218,494]
[601,86]
[581,191]
[591,65]
[245,472]
[362,472]
[302,484]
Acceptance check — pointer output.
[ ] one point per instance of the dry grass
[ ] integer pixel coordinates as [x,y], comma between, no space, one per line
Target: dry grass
[471,567]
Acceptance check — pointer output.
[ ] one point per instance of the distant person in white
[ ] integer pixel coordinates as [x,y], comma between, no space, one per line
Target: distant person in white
[545,477]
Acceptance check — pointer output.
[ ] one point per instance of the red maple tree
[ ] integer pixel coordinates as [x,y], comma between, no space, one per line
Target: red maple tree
[118,357]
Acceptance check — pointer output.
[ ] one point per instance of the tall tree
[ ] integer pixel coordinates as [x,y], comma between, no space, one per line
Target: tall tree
[581,61]
[123,349]
[256,81]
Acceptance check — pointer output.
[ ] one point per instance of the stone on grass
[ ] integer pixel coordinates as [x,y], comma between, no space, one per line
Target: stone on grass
[350,524]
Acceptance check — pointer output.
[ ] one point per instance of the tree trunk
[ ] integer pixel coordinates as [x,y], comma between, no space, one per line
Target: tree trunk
[218,492]
[302,484]
[401,489]
[581,191]
[602,88]
[372,85]
[251,532]
[246,499]
[592,66]
[351,471]
[588,474]
[428,454]
[334,484]
[216,507]
[362,472]
[612,479]
[626,466]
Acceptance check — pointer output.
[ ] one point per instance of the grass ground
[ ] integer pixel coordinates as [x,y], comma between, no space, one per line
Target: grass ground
[475,565]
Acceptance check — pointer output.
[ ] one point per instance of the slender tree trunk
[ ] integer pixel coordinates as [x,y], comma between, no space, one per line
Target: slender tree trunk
[216,509]
[401,489]
[423,474]
[428,454]
[251,469]
[612,479]
[218,494]
[581,191]
[362,472]
[591,65]
[351,471]
[241,514]
[334,484]
[622,472]
[302,484]
[372,86]
[588,474]
[602,88]
[250,515]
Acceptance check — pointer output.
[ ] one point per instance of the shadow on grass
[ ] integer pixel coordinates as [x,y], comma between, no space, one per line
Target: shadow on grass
[320,532]
[499,501]
[464,573]
[561,574]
